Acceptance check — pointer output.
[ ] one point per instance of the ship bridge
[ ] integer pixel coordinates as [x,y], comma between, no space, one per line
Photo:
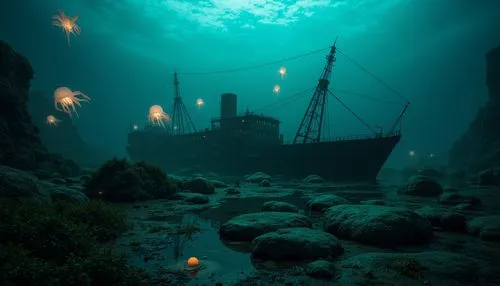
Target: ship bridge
[249,127]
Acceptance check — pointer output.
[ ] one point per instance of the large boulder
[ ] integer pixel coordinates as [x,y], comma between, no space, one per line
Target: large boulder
[444,219]
[246,227]
[21,186]
[377,225]
[275,206]
[421,186]
[258,177]
[199,185]
[486,227]
[313,179]
[319,204]
[296,244]
[453,199]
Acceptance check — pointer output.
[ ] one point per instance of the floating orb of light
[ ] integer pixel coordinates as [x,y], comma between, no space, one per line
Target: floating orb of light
[282,72]
[411,153]
[200,102]
[51,120]
[276,89]
[135,127]
[157,116]
[67,24]
[66,100]
[192,264]
[431,155]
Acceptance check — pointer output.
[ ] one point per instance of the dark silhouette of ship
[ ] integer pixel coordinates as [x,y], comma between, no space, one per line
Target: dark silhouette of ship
[242,144]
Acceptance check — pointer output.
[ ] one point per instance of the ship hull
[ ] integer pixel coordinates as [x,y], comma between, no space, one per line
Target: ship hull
[342,160]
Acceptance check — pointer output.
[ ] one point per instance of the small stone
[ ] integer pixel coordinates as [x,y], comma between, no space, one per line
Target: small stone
[321,269]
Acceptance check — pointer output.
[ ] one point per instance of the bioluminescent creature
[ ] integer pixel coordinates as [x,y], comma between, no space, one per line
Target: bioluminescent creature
[51,120]
[276,89]
[67,24]
[157,116]
[282,72]
[200,102]
[65,100]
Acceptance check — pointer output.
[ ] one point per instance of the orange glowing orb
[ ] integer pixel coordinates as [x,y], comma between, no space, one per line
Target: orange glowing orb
[200,102]
[193,262]
[282,72]
[276,89]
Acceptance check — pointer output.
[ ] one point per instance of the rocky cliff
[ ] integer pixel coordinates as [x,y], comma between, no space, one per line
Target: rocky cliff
[64,138]
[20,144]
[479,148]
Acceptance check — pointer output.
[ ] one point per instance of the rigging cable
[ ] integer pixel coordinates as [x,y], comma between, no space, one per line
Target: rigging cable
[281,103]
[373,76]
[256,66]
[352,112]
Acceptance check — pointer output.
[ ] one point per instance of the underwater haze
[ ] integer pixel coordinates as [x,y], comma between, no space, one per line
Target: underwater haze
[430,51]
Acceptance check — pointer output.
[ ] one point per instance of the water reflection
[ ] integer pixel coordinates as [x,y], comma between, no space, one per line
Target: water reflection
[217,261]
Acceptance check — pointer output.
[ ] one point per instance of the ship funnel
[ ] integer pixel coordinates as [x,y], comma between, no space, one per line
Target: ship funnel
[228,105]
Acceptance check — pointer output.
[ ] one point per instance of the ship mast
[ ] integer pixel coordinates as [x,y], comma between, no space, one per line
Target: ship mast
[310,127]
[181,121]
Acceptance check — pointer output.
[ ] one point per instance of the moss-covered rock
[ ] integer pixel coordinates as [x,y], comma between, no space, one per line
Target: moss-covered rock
[296,244]
[246,227]
[377,225]
[119,180]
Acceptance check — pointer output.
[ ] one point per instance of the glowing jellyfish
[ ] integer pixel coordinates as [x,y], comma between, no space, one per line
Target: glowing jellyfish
[282,72]
[51,120]
[411,153]
[200,102]
[276,89]
[135,127]
[65,100]
[67,24]
[157,116]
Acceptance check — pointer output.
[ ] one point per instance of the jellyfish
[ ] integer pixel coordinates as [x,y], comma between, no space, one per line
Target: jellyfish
[200,102]
[67,24]
[276,89]
[282,72]
[65,100]
[157,116]
[51,120]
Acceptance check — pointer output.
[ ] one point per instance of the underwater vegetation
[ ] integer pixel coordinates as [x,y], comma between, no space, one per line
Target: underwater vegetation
[42,244]
[119,180]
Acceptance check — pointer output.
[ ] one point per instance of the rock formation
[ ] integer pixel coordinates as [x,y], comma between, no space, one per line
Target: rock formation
[479,148]
[63,139]
[20,145]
